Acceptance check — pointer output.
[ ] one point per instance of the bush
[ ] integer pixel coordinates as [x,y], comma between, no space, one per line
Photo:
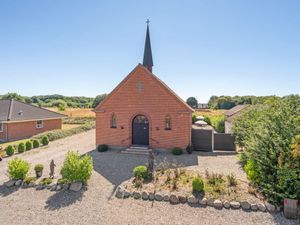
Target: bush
[140,172]
[268,134]
[28,145]
[214,179]
[28,180]
[38,167]
[21,148]
[76,168]
[36,143]
[58,134]
[198,184]
[18,168]
[10,150]
[62,181]
[194,118]
[177,151]
[45,140]
[231,179]
[46,181]
[102,148]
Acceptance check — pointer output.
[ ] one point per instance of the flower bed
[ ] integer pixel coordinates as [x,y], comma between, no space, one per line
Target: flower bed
[178,185]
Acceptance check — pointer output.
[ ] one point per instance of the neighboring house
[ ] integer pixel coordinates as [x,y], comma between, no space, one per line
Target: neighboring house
[143,111]
[19,120]
[202,106]
[231,114]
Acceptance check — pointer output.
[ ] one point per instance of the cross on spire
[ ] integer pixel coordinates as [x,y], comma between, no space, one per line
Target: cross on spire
[148,61]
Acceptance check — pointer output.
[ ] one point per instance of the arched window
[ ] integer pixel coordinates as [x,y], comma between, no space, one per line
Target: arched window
[113,121]
[168,122]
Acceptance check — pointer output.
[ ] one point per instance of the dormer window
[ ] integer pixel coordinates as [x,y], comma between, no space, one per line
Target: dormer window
[20,113]
[39,124]
[168,122]
[113,121]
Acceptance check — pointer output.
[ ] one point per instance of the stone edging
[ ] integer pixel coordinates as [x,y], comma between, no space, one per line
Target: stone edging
[122,193]
[75,186]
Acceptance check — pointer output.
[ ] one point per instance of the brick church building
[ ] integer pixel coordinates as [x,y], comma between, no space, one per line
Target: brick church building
[143,111]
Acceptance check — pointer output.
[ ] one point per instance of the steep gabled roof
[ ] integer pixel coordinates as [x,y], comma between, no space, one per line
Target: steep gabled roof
[155,78]
[13,110]
[236,109]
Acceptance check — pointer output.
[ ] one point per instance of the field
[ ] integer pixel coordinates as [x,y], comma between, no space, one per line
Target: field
[75,112]
[210,112]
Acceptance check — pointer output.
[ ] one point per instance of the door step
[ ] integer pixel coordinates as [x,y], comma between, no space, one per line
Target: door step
[137,150]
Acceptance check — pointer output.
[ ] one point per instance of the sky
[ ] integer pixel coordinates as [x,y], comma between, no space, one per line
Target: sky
[200,48]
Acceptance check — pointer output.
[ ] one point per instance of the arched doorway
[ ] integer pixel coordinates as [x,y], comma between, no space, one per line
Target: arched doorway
[140,130]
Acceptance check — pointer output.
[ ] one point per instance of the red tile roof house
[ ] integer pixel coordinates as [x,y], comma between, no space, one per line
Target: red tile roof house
[19,120]
[143,111]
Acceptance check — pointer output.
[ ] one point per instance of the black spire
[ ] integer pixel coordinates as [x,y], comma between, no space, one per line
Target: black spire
[148,61]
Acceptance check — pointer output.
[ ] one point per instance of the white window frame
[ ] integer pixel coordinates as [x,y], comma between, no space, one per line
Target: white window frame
[1,127]
[41,125]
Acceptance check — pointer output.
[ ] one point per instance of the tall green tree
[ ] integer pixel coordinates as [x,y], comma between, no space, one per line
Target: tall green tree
[193,102]
[269,134]
[98,99]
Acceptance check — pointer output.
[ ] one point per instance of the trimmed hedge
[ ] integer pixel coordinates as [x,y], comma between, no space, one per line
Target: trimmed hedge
[177,151]
[21,148]
[45,140]
[28,145]
[59,134]
[10,150]
[36,143]
[102,148]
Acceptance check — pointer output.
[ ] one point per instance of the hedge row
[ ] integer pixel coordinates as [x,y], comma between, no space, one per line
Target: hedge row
[58,134]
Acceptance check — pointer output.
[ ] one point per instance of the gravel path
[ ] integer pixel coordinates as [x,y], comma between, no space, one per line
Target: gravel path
[97,205]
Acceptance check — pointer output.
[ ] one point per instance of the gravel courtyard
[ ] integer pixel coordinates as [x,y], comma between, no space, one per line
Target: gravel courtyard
[97,205]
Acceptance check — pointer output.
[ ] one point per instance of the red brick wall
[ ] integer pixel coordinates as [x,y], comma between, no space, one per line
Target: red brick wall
[21,130]
[153,101]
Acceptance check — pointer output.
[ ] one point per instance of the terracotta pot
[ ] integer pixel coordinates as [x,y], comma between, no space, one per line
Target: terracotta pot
[38,173]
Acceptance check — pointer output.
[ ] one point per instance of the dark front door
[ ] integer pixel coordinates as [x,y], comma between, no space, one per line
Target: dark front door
[140,130]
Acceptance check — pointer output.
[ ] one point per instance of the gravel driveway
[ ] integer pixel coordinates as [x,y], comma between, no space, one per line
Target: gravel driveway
[97,205]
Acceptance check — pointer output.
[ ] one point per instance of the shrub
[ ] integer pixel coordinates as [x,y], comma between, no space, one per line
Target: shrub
[177,151]
[28,145]
[268,133]
[18,168]
[102,148]
[194,118]
[214,179]
[58,134]
[21,148]
[231,179]
[62,181]
[28,180]
[76,168]
[38,167]
[140,172]
[36,143]
[198,184]
[45,181]
[45,140]
[10,150]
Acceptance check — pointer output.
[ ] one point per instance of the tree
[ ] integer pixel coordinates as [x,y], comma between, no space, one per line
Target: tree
[98,100]
[269,134]
[192,101]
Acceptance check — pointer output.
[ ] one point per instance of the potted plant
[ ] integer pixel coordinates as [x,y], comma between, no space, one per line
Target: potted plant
[38,170]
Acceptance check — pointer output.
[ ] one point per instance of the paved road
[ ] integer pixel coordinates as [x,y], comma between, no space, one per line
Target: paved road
[98,206]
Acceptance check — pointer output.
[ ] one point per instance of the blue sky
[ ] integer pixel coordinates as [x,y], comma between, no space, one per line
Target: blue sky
[200,48]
